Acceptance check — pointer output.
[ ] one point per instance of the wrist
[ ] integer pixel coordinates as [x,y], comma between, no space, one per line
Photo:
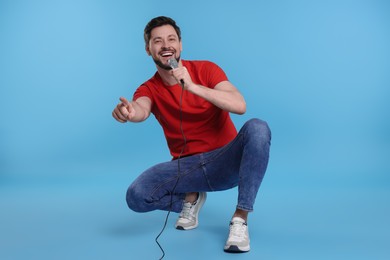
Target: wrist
[192,88]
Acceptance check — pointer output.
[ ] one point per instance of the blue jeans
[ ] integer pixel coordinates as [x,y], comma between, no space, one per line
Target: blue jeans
[242,163]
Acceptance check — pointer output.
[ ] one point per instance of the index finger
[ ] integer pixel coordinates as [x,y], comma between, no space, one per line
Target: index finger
[124,101]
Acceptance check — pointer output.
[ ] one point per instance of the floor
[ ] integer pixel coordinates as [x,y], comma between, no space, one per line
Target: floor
[81,215]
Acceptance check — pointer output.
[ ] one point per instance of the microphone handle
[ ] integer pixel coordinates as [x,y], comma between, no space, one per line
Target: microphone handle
[173,63]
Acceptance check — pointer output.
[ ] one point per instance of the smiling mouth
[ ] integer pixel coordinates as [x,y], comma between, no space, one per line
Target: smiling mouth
[166,54]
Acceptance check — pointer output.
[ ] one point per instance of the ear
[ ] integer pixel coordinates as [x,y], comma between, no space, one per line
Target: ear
[147,49]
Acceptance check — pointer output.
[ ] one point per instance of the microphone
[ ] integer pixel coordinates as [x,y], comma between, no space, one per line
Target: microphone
[173,63]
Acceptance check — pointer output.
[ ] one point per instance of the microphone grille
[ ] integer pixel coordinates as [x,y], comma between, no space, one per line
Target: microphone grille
[173,63]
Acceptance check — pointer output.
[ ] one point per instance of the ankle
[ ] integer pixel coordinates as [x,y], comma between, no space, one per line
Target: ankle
[241,214]
[191,197]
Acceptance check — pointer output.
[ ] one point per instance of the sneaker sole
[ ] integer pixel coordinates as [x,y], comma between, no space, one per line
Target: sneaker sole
[236,249]
[186,228]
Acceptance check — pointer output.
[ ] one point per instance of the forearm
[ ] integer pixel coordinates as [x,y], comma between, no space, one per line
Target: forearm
[140,112]
[227,99]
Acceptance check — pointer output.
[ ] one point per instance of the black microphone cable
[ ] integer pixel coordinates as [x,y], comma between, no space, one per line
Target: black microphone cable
[178,168]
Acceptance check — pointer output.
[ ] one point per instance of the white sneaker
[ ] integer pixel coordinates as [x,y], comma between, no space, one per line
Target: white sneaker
[238,240]
[188,218]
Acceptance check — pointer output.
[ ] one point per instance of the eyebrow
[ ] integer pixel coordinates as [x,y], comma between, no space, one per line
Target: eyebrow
[169,36]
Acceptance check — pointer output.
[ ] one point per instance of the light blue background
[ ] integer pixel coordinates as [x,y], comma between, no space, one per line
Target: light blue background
[317,71]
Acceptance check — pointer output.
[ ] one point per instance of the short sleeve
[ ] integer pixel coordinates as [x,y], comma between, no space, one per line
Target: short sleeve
[143,91]
[214,74]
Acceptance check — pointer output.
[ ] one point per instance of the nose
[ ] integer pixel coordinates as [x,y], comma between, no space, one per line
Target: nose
[164,44]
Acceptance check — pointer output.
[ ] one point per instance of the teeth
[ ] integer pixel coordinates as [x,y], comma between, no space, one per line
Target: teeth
[167,54]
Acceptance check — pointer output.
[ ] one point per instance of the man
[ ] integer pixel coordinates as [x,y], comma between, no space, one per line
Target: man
[192,103]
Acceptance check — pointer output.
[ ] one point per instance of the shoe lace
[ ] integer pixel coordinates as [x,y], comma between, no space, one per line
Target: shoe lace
[187,211]
[237,230]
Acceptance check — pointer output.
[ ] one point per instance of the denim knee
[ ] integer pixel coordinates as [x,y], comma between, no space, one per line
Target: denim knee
[135,200]
[258,127]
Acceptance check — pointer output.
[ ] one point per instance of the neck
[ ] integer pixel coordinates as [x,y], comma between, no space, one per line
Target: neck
[166,75]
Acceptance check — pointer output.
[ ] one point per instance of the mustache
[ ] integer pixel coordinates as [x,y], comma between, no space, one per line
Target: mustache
[167,49]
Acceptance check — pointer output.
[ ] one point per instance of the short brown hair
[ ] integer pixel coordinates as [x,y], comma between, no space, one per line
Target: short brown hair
[160,21]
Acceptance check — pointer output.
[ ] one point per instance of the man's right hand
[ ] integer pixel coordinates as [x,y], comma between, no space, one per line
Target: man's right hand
[124,111]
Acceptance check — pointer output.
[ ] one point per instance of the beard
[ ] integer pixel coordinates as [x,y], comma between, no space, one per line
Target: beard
[164,66]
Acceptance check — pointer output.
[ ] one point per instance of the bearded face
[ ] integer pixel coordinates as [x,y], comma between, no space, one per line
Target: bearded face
[163,45]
